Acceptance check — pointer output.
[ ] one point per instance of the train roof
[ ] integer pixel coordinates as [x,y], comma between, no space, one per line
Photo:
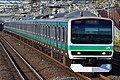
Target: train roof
[80,13]
[61,19]
[64,16]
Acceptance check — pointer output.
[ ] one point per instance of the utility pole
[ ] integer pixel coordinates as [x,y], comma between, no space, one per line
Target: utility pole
[85,4]
[109,7]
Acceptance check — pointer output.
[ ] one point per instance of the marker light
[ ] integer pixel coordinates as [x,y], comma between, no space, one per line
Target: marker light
[103,53]
[78,52]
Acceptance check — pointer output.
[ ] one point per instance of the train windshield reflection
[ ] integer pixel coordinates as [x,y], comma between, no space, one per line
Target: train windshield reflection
[91,31]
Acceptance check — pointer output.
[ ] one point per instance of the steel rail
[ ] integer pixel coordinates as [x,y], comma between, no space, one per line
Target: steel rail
[30,67]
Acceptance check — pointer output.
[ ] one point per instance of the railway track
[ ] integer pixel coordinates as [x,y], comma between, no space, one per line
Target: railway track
[7,71]
[84,77]
[24,76]
[12,61]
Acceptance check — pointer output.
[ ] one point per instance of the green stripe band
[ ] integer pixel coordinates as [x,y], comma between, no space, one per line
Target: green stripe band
[91,48]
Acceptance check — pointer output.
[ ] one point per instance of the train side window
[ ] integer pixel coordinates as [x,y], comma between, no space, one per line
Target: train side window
[37,29]
[51,31]
[54,32]
[16,26]
[63,39]
[61,33]
[27,28]
[46,30]
[40,29]
[65,35]
[19,26]
[43,31]
[32,28]
[58,33]
[57,36]
[22,27]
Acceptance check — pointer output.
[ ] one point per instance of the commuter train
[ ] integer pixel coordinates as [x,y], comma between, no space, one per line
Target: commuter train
[88,40]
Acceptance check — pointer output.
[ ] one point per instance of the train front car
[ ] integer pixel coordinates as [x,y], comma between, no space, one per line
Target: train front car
[90,44]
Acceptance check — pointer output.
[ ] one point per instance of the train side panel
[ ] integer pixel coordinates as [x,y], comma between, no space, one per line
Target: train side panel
[51,34]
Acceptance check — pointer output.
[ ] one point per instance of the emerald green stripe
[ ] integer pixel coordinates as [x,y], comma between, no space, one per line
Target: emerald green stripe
[93,48]
[46,23]
[63,24]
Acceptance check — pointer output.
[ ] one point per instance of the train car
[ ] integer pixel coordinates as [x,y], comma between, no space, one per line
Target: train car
[91,42]
[1,25]
[86,40]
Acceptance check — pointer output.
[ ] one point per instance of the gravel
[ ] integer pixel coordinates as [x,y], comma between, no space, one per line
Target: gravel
[46,67]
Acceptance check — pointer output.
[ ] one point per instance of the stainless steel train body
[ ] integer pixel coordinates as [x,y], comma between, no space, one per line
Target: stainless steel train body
[82,39]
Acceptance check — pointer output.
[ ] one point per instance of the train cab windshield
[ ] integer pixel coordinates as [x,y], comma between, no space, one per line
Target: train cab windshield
[91,31]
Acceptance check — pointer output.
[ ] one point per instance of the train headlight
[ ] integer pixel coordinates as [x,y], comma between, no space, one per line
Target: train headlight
[103,53]
[78,53]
